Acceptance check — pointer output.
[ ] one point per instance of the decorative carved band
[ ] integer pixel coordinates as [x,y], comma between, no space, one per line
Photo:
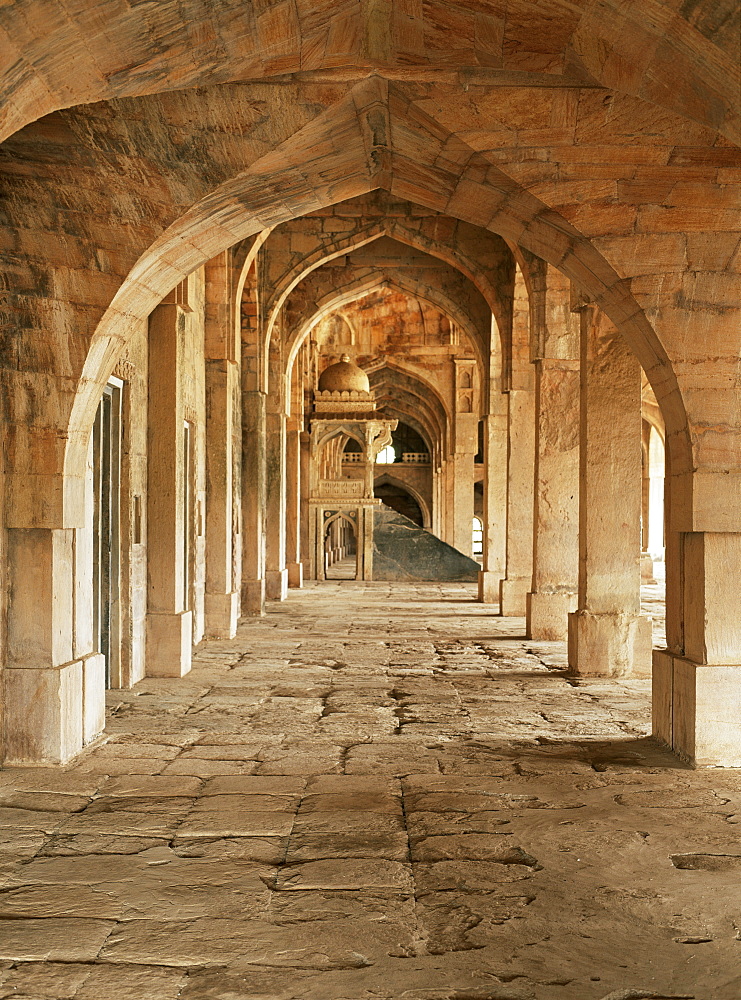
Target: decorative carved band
[341,488]
[125,369]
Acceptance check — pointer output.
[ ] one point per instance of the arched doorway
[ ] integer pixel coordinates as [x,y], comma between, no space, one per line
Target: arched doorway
[340,548]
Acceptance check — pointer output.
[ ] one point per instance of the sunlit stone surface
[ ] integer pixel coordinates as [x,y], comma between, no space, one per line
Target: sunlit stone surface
[378,790]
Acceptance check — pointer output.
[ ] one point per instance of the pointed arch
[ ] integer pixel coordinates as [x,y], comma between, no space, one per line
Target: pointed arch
[292,180]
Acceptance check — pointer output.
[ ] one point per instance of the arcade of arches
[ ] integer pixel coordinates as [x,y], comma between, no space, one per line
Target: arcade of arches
[334,300]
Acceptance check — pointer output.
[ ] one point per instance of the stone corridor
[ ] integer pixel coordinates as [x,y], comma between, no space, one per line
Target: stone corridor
[376,791]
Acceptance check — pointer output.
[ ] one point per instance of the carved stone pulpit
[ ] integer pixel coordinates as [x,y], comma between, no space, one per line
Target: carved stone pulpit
[344,409]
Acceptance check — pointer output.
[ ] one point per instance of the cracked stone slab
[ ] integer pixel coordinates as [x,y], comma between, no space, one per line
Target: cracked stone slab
[635,852]
[345,874]
[158,786]
[234,816]
[53,938]
[326,945]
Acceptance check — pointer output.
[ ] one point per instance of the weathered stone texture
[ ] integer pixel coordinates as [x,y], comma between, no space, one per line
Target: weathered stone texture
[421,791]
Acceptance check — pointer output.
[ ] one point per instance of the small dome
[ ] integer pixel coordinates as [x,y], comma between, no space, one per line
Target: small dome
[345,376]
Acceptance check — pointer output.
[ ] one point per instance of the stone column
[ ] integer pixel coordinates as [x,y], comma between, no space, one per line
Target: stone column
[276,572]
[460,475]
[555,510]
[437,502]
[608,636]
[305,492]
[441,499]
[520,483]
[169,621]
[222,600]
[697,690]
[520,457]
[461,481]
[54,681]
[222,413]
[293,504]
[253,502]
[495,503]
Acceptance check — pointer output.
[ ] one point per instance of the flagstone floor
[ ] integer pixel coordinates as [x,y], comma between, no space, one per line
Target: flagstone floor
[377,792]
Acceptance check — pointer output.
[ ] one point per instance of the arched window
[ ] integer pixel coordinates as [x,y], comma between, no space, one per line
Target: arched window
[478,536]
[387,456]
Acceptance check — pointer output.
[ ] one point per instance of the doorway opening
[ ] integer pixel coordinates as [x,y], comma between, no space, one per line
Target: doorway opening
[340,549]
[188,546]
[106,530]
[477,538]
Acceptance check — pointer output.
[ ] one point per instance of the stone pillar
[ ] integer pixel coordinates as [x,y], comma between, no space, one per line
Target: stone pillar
[253,502]
[169,621]
[222,599]
[461,492]
[54,682]
[520,456]
[495,504]
[365,522]
[441,499]
[222,458]
[697,691]
[520,483]
[276,572]
[555,510]
[293,504]
[608,636]
[647,568]
[304,508]
[460,475]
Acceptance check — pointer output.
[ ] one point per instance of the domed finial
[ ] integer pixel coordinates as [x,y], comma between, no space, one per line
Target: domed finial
[344,376]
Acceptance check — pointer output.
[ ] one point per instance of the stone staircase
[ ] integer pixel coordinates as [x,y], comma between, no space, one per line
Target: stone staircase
[404,551]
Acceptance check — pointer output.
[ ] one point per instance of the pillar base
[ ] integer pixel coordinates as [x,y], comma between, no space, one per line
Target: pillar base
[548,616]
[295,575]
[609,645]
[513,596]
[276,584]
[253,598]
[169,644]
[662,675]
[93,696]
[647,568]
[489,586]
[697,709]
[43,713]
[222,614]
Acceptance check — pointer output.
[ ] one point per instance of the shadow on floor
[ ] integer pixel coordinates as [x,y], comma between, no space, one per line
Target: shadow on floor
[601,754]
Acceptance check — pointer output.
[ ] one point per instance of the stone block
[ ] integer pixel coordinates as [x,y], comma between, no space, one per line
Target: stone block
[276,584]
[706,713]
[40,607]
[253,597]
[295,575]
[609,645]
[513,596]
[647,568]
[548,616]
[169,644]
[43,713]
[222,614]
[662,682]
[93,696]
[489,587]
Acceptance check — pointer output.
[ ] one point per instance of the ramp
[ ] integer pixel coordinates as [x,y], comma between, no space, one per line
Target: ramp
[404,551]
